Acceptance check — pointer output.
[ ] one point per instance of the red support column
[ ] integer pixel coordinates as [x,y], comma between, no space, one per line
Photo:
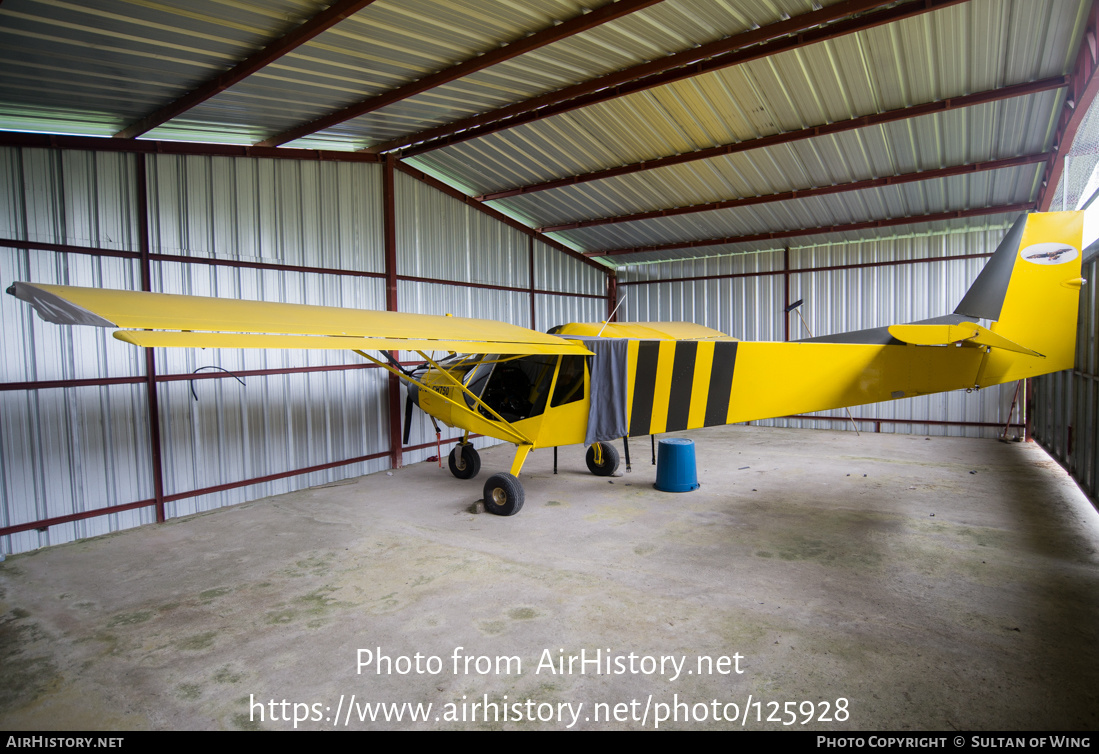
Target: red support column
[530,263]
[142,202]
[612,296]
[1082,89]
[389,224]
[786,294]
[1028,407]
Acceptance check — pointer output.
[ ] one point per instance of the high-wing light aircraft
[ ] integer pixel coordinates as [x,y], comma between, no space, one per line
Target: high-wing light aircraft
[597,382]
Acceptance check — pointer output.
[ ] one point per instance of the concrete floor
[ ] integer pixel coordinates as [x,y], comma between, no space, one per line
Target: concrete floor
[878,570]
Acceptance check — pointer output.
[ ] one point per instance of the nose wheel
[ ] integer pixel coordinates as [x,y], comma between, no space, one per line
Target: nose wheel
[464,461]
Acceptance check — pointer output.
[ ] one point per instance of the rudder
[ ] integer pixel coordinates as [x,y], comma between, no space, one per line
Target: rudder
[1030,290]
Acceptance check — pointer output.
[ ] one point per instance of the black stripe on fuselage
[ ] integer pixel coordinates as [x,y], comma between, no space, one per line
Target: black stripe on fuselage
[721,383]
[683,371]
[644,385]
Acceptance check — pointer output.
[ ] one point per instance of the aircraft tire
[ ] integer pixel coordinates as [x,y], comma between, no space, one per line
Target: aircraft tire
[610,460]
[503,495]
[464,461]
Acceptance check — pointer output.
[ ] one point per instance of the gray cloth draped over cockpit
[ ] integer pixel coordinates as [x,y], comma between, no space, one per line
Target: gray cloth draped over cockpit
[607,413]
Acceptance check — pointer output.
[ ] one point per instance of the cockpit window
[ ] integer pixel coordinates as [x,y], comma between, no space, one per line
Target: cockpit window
[570,381]
[518,388]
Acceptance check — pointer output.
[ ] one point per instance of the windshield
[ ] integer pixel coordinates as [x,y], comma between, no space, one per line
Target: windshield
[516,387]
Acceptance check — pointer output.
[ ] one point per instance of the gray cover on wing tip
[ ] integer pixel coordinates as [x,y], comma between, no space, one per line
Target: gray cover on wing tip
[53,308]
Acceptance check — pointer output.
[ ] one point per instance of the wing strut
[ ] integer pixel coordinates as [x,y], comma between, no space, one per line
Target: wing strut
[506,427]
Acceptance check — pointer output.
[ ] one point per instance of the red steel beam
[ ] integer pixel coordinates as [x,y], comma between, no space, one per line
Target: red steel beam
[1082,88]
[188,376]
[272,477]
[323,21]
[389,232]
[612,297]
[495,214]
[892,180]
[932,422]
[904,113]
[530,273]
[786,293]
[181,258]
[487,286]
[149,146]
[48,522]
[263,372]
[776,235]
[808,28]
[539,39]
[141,192]
[47,384]
[213,261]
[62,248]
[800,270]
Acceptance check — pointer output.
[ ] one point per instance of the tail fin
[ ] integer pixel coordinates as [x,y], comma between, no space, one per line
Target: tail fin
[1030,290]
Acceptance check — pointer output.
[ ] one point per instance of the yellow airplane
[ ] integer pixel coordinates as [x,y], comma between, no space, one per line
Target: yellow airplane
[593,383]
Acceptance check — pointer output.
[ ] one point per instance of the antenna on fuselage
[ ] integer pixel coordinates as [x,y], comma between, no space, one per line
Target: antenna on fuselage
[607,321]
[796,307]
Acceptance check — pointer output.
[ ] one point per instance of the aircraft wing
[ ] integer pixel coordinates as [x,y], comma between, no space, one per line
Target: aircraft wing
[168,320]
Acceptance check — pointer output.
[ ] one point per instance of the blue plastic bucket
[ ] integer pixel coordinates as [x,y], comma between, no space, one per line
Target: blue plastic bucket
[676,470]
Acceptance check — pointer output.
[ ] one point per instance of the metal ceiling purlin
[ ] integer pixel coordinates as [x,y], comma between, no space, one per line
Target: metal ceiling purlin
[892,180]
[324,20]
[1082,88]
[809,28]
[539,39]
[904,113]
[870,224]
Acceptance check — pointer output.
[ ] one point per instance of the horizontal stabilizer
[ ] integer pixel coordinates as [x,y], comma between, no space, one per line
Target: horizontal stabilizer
[963,332]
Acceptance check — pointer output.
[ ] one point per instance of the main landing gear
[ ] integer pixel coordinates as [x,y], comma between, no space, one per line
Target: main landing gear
[503,493]
[602,459]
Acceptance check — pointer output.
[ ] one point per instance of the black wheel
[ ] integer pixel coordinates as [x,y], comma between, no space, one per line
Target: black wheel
[465,463]
[503,495]
[610,460]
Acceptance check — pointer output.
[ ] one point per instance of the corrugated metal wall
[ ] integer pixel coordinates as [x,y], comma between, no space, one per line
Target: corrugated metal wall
[747,307]
[1066,404]
[75,448]
[555,271]
[874,290]
[293,213]
[274,230]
